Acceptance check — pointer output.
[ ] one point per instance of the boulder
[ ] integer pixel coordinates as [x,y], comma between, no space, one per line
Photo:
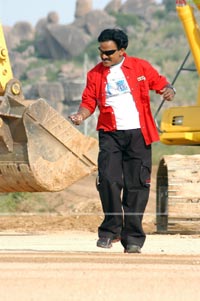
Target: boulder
[12,40]
[19,68]
[24,31]
[113,6]
[53,18]
[94,22]
[73,90]
[36,73]
[138,7]
[66,41]
[82,8]
[52,92]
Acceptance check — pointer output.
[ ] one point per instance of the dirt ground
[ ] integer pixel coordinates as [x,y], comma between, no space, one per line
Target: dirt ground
[76,208]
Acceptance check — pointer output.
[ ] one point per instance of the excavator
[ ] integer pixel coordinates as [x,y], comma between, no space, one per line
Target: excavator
[39,149]
[178,176]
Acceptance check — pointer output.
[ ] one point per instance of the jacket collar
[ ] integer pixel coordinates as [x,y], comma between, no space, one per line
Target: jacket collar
[126,62]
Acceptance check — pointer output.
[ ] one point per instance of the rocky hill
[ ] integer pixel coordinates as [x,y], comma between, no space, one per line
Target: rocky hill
[52,59]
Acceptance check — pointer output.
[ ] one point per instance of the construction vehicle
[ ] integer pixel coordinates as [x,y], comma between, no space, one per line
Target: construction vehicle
[178,176]
[39,149]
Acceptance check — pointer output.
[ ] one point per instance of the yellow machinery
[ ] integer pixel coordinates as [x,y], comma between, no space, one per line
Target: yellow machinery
[178,177]
[39,149]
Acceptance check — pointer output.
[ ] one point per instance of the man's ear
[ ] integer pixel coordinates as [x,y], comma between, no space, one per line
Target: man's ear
[121,51]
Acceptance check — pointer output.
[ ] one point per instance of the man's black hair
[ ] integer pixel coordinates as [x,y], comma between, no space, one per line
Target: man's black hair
[116,35]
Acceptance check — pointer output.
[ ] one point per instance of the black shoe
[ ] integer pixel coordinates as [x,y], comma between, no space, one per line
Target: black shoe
[132,249]
[104,242]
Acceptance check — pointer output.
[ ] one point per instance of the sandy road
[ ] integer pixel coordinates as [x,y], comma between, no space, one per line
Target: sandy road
[69,266]
[58,276]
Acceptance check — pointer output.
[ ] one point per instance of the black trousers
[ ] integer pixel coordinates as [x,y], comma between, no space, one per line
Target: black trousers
[124,169]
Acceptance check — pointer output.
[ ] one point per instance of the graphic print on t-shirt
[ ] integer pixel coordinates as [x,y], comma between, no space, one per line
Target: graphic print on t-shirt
[116,87]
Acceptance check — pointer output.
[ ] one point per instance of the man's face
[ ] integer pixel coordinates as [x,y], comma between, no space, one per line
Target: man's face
[109,53]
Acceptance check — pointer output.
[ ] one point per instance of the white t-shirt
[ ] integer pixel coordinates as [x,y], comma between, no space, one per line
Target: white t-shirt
[118,96]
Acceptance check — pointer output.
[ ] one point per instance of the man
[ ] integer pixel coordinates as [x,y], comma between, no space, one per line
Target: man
[119,85]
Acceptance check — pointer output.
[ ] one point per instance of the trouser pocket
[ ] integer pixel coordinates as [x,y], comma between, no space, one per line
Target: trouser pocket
[145,174]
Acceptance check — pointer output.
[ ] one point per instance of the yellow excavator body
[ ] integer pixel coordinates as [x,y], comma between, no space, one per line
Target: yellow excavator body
[178,176]
[180,126]
[39,149]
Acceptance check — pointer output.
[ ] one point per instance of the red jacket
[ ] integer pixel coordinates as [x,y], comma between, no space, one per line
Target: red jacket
[141,77]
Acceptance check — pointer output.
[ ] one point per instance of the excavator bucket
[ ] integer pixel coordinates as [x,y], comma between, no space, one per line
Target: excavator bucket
[39,149]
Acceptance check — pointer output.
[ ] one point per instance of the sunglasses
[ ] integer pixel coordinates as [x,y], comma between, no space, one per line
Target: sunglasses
[108,52]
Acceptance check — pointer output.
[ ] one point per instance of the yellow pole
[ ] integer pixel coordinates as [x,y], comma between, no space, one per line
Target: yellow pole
[5,67]
[198,95]
[192,31]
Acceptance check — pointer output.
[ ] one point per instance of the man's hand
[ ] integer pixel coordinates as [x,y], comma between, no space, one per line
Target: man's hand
[76,118]
[168,93]
[81,115]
